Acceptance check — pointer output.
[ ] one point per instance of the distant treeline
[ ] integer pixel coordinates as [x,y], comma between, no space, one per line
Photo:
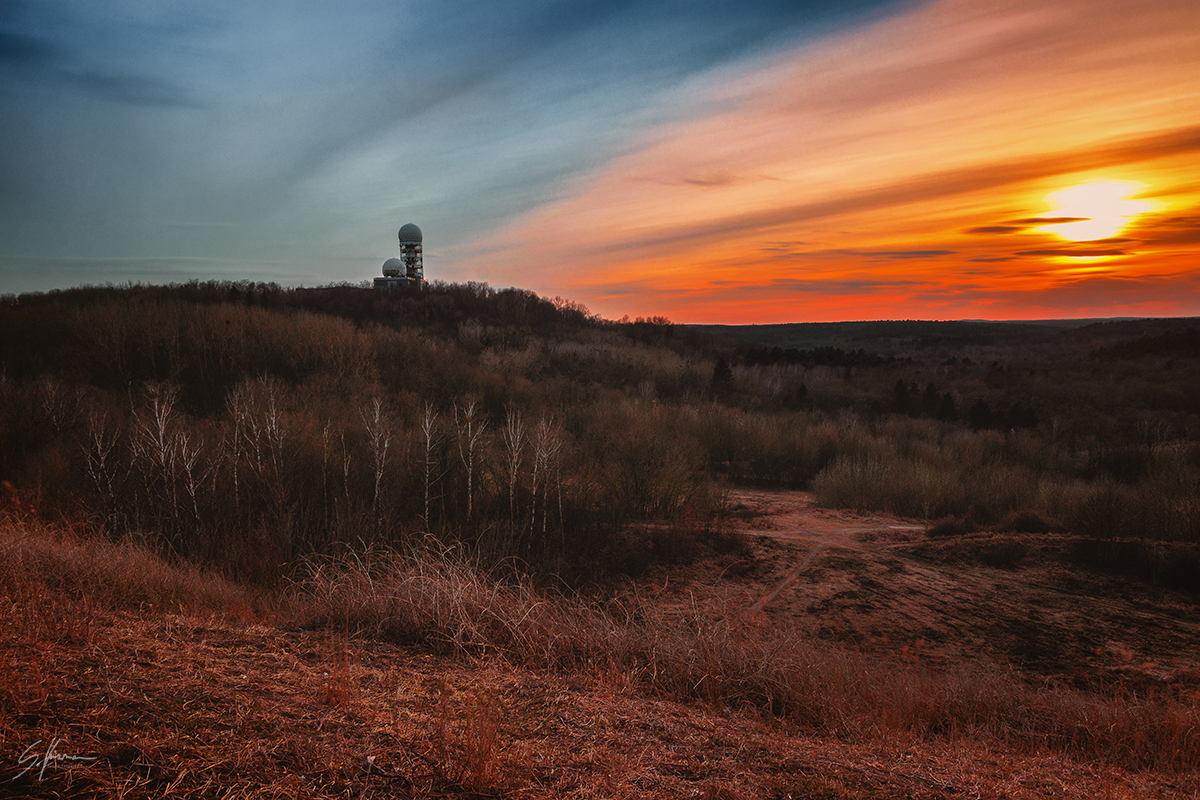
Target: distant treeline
[1174,344]
[820,356]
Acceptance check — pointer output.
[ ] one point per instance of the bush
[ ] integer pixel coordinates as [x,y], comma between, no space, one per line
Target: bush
[1003,552]
[37,559]
[1167,564]
[948,526]
[1027,522]
[1102,511]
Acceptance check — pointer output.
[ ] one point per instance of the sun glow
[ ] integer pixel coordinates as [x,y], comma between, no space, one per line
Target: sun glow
[913,196]
[1096,210]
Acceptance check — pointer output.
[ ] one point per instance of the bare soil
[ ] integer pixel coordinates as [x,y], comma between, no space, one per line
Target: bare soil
[881,584]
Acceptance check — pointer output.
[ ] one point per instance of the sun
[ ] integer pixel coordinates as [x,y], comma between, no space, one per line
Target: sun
[1094,210]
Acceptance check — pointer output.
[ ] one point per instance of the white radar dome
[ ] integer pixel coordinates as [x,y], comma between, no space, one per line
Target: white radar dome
[410,233]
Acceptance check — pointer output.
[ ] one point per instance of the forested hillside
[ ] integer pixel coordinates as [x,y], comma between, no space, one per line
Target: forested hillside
[247,426]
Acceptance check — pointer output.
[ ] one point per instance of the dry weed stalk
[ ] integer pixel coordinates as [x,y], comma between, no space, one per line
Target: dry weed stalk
[465,753]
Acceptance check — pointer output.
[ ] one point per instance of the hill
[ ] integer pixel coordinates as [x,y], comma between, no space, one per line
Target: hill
[241,425]
[422,677]
[472,542]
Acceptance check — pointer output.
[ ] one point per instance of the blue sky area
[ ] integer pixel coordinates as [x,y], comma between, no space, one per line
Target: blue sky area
[740,161]
[287,141]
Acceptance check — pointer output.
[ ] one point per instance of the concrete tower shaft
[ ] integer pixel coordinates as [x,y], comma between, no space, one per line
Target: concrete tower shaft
[410,237]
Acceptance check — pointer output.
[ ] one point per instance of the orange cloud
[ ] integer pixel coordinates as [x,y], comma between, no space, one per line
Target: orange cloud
[897,171]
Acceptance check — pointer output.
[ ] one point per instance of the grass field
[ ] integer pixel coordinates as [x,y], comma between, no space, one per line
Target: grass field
[755,674]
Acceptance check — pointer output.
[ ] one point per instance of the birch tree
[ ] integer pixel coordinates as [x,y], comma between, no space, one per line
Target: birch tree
[380,439]
[515,439]
[471,424]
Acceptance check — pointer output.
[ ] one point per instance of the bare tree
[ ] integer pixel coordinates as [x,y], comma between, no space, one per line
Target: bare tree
[347,464]
[102,465]
[471,425]
[152,438]
[59,403]
[156,444]
[547,441]
[515,438]
[429,431]
[237,404]
[326,435]
[258,441]
[260,422]
[194,473]
[380,439]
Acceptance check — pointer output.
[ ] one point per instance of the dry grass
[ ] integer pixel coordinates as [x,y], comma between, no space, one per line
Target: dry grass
[423,677]
[726,657]
[63,560]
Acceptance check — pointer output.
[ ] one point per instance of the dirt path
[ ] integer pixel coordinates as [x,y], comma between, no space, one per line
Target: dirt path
[879,583]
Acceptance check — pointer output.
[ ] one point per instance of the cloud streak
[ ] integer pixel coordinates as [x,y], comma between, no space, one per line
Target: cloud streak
[939,131]
[710,161]
[320,127]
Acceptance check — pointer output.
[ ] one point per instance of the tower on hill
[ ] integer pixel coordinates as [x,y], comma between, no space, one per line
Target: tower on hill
[407,270]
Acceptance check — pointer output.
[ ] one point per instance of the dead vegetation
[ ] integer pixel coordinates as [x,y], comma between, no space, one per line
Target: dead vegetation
[422,676]
[475,543]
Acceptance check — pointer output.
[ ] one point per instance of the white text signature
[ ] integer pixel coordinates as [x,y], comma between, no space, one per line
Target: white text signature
[31,759]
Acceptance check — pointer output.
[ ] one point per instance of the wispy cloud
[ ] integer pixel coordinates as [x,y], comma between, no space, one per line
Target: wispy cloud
[928,139]
[711,161]
[1073,252]
[321,127]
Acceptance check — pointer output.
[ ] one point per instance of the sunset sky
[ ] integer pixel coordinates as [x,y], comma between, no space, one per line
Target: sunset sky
[729,162]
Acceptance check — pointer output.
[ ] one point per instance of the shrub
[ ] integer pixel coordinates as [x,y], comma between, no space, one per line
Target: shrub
[948,526]
[1003,552]
[1102,511]
[1027,522]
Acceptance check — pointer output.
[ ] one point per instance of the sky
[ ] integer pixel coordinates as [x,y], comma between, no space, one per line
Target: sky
[758,161]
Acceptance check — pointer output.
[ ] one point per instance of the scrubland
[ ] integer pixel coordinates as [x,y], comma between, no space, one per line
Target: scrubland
[333,541]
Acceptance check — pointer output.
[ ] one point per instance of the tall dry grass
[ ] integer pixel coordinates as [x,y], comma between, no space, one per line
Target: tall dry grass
[439,600]
[434,598]
[38,559]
